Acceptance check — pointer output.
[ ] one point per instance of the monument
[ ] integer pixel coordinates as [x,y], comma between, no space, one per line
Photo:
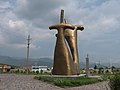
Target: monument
[66,60]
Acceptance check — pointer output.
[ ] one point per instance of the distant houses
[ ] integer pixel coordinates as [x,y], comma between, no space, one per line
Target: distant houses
[5,67]
[40,69]
[32,69]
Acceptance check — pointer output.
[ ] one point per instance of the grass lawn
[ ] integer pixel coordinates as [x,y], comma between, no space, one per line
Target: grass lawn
[68,82]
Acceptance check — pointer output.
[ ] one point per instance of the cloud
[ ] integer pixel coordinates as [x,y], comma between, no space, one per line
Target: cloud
[4,5]
[28,10]
[19,18]
[100,19]
[16,24]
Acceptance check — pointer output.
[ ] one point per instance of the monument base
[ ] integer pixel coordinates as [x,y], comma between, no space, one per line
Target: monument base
[64,76]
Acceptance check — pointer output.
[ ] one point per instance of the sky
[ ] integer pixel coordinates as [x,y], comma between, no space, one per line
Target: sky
[100,18]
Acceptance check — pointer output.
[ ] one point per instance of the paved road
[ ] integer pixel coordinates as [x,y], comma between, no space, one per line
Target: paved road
[26,82]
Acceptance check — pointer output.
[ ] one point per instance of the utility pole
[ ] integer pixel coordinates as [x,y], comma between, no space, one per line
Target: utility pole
[87,66]
[28,46]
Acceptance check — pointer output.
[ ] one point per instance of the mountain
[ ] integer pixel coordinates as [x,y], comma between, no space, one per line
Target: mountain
[22,61]
[41,61]
[19,61]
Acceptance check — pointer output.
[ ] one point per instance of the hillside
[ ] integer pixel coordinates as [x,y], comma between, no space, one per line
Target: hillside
[22,61]
[41,61]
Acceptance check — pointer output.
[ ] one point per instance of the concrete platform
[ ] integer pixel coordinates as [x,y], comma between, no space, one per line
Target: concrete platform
[65,76]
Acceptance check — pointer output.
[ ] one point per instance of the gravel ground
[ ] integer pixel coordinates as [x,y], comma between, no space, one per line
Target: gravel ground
[97,86]
[26,82]
[23,82]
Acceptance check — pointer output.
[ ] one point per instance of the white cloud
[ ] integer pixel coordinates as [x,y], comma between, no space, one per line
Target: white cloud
[100,18]
[4,5]
[16,24]
[28,10]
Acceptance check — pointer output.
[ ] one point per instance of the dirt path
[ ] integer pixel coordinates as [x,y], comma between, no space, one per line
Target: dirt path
[26,82]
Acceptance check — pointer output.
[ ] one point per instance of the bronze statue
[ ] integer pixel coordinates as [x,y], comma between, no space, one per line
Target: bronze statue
[71,38]
[66,62]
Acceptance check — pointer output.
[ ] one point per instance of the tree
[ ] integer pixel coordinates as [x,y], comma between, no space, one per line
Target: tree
[95,67]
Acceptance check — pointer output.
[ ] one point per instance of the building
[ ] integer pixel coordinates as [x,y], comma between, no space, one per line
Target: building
[24,68]
[40,69]
[5,68]
[87,66]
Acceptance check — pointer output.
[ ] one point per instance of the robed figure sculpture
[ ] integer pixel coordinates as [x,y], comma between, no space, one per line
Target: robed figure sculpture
[66,60]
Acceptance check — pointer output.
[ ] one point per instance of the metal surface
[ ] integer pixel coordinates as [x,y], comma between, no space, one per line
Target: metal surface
[71,38]
[66,61]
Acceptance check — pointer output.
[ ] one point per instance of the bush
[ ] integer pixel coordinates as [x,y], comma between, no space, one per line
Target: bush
[68,82]
[37,72]
[115,82]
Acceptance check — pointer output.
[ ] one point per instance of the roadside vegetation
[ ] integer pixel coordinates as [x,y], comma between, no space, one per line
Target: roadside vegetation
[115,82]
[27,73]
[68,82]
[114,79]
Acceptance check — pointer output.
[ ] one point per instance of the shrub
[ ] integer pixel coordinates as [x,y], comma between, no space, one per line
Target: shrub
[115,82]
[68,82]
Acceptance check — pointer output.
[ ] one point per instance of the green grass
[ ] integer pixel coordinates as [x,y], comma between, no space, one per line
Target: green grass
[68,82]
[107,77]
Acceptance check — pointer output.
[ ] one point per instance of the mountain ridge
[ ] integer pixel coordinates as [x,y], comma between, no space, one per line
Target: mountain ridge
[15,61]
[21,61]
